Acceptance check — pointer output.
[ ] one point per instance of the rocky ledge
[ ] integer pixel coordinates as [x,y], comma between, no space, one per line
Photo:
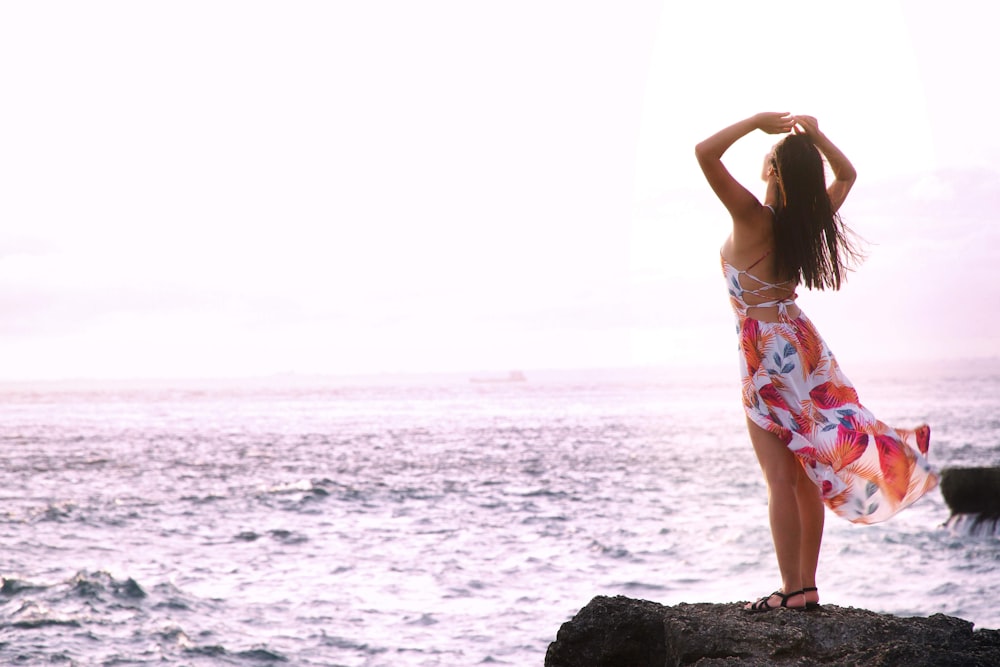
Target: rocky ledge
[622,632]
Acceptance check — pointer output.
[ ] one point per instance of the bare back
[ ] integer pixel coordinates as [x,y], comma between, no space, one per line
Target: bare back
[750,251]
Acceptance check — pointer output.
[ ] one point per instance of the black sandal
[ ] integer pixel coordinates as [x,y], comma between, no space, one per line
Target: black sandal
[811,605]
[762,603]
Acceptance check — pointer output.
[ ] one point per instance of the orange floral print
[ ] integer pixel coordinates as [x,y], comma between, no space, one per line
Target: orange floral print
[793,387]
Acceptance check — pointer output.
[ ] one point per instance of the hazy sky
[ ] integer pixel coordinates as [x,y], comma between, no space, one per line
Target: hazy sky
[240,188]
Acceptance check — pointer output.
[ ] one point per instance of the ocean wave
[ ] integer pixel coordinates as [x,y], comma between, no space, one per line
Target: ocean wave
[239,530]
[94,584]
[973,525]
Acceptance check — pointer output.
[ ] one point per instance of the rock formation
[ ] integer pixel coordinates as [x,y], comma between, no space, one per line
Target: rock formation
[972,491]
[622,632]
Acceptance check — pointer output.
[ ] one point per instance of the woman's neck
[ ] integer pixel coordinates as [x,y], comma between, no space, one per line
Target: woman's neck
[773,194]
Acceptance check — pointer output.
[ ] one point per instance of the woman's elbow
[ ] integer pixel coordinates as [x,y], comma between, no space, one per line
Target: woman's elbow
[701,151]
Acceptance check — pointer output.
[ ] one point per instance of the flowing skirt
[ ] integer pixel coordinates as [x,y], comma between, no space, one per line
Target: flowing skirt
[792,387]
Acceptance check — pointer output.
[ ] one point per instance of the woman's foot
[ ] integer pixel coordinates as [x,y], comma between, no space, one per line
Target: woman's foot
[793,600]
[812,597]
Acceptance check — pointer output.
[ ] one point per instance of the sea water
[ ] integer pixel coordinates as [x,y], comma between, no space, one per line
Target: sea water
[431,521]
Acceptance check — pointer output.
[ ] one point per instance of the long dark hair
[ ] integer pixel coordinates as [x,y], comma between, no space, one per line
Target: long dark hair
[811,243]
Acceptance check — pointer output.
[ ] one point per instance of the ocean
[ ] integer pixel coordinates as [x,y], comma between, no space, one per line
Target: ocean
[433,521]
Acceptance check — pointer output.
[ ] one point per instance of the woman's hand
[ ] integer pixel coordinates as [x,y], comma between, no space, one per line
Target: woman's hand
[774,122]
[807,125]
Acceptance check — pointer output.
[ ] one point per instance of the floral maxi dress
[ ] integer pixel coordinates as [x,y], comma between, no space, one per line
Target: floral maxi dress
[792,387]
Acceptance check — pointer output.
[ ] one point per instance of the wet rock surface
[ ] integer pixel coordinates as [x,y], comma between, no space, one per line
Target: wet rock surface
[624,632]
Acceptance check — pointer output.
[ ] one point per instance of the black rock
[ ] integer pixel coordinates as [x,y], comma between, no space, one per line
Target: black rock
[972,491]
[622,632]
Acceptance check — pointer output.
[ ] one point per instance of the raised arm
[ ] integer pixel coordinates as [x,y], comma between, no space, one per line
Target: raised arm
[740,203]
[844,173]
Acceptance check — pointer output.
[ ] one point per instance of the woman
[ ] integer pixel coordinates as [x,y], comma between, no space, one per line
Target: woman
[815,442]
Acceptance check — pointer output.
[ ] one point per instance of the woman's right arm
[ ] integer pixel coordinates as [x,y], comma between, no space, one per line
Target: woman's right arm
[844,173]
[737,199]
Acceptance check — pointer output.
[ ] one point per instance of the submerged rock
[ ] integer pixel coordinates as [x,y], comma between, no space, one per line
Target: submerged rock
[622,632]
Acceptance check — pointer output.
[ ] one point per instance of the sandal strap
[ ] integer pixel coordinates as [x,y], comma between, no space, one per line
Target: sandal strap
[762,603]
[784,596]
[809,589]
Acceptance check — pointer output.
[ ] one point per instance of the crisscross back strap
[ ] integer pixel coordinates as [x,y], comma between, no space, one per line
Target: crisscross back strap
[759,260]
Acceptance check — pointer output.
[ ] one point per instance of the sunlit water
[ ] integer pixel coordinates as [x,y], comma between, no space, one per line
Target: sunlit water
[431,523]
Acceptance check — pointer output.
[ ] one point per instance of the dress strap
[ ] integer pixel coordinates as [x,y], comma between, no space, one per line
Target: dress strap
[761,258]
[757,262]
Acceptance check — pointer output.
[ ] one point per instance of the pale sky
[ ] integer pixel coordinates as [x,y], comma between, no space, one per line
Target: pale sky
[211,189]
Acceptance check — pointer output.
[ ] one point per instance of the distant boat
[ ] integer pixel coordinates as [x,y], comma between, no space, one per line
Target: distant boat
[513,376]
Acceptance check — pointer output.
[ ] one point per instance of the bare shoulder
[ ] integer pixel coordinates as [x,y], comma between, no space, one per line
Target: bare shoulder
[753,230]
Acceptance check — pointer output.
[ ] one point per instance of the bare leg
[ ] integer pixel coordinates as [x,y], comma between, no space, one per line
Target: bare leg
[782,473]
[811,518]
